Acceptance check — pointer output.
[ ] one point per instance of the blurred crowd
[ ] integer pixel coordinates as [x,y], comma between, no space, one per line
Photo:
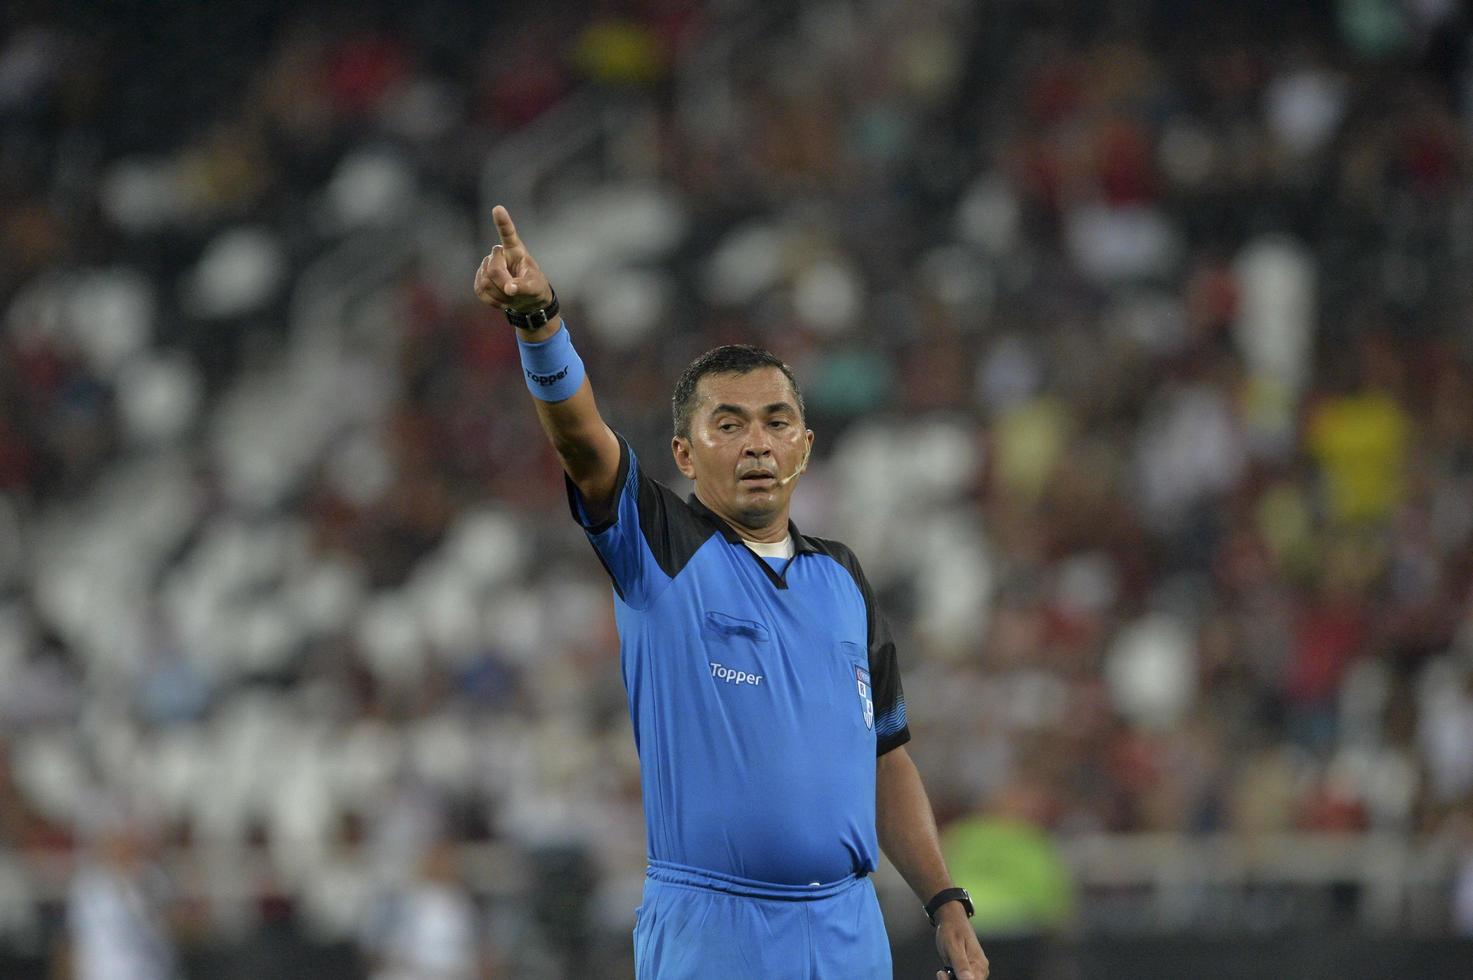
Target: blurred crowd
[1138,341]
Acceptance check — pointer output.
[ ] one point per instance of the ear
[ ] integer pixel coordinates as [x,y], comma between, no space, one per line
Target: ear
[680,449]
[807,449]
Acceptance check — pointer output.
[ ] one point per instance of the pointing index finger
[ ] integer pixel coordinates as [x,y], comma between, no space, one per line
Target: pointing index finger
[505,228]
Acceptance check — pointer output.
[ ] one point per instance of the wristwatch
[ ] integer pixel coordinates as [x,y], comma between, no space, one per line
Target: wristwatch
[535,320]
[948,895]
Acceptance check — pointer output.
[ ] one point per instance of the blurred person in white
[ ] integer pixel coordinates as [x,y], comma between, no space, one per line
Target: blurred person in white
[762,679]
[119,909]
[428,930]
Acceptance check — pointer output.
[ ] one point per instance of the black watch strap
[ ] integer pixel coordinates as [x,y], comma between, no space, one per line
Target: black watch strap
[535,320]
[948,895]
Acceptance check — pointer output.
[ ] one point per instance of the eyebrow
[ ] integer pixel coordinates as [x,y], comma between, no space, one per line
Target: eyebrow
[725,408]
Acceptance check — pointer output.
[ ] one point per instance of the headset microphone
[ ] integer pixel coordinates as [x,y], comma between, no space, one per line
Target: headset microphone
[802,465]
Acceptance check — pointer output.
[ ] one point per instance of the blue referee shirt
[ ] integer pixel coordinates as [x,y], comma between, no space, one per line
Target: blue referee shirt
[761,690]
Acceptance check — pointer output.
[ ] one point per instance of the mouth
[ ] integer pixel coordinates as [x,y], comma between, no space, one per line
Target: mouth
[757,479]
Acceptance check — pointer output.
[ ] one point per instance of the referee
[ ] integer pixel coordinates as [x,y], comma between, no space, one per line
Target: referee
[762,678]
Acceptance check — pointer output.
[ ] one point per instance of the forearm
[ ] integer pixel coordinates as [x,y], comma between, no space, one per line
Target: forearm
[585,444]
[906,825]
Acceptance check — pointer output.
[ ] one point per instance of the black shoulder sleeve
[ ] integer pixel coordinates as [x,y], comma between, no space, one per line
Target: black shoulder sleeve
[644,535]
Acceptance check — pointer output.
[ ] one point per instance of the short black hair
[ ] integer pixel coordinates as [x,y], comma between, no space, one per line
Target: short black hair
[730,359]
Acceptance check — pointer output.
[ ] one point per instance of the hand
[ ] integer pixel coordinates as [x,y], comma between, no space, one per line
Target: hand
[509,278]
[957,943]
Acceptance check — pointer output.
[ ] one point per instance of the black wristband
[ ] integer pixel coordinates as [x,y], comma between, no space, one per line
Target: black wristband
[536,319]
[948,895]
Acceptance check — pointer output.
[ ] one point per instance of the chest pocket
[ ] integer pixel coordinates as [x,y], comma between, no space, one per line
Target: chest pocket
[854,696]
[730,628]
[737,650]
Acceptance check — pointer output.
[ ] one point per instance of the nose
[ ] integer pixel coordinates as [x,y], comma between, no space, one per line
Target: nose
[758,446]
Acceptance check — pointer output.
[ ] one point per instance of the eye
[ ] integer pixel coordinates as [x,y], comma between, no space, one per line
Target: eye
[779,423]
[728,427]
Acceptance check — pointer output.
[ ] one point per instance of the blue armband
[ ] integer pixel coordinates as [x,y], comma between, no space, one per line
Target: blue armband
[553,368]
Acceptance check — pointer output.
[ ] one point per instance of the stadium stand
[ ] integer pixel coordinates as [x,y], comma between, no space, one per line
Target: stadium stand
[1138,339]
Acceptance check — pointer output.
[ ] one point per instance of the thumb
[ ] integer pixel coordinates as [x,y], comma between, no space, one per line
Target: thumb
[958,972]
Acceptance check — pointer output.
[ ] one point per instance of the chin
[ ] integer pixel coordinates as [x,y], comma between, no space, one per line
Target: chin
[760,513]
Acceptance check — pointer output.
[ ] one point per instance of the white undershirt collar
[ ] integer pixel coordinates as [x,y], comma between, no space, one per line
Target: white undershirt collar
[773,549]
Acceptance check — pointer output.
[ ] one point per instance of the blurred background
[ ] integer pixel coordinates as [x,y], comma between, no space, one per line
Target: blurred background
[1138,339]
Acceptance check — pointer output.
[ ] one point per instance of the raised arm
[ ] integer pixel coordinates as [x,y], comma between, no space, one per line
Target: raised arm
[510,279]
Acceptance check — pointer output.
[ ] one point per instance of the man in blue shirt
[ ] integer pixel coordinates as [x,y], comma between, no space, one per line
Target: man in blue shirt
[762,679]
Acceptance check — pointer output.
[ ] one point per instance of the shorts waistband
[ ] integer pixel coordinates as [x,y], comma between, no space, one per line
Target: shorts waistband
[680,874]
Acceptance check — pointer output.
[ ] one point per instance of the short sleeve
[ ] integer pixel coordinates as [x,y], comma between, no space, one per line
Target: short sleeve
[643,536]
[891,730]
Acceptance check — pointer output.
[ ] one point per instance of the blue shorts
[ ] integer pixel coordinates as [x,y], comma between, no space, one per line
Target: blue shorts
[698,924]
